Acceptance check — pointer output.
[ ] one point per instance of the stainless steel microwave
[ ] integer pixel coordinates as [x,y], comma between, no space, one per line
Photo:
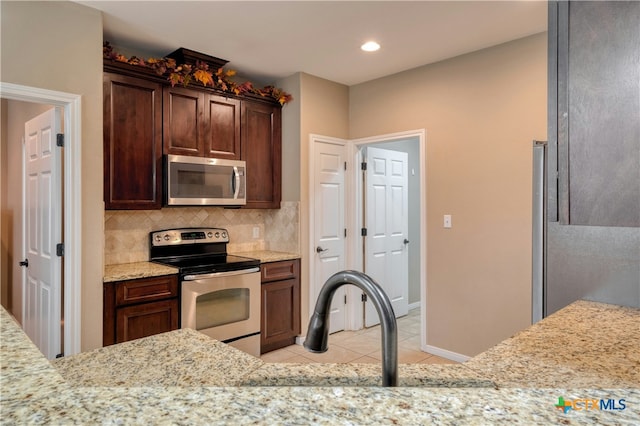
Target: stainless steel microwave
[198,181]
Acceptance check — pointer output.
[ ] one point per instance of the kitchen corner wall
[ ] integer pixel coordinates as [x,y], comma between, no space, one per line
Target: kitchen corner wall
[38,42]
[481,112]
[127,231]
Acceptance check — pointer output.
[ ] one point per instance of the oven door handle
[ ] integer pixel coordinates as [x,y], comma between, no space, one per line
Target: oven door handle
[220,274]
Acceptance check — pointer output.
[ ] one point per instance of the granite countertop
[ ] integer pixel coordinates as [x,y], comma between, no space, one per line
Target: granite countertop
[183,377]
[130,271]
[267,256]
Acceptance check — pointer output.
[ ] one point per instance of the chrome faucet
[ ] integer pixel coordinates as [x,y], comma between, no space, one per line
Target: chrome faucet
[318,332]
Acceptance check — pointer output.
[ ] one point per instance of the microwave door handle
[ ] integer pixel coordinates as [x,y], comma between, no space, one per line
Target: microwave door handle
[235,184]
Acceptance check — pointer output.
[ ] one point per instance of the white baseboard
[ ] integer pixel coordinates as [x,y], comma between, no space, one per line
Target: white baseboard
[414,305]
[300,340]
[453,356]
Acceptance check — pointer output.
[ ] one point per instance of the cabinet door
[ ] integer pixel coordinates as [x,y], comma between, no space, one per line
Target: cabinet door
[183,121]
[146,319]
[132,133]
[280,322]
[262,150]
[108,314]
[597,125]
[280,313]
[222,135]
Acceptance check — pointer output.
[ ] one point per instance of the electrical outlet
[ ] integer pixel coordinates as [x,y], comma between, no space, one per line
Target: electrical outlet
[256,232]
[447,221]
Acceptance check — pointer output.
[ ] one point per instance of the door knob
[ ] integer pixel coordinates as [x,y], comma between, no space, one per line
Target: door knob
[320,249]
[25,263]
[406,241]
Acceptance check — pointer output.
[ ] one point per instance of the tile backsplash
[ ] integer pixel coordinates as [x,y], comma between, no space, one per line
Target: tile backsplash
[127,231]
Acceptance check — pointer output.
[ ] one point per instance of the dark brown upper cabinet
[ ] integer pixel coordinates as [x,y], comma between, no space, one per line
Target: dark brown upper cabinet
[145,117]
[183,125]
[201,124]
[222,136]
[262,151]
[132,142]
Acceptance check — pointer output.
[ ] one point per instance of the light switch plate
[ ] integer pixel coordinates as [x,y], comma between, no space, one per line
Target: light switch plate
[447,221]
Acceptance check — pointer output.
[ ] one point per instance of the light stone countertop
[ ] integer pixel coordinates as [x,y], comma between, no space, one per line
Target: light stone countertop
[179,358]
[500,392]
[586,344]
[266,256]
[130,271]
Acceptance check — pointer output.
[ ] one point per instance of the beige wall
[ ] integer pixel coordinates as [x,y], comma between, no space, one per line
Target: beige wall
[58,46]
[481,112]
[324,110]
[291,139]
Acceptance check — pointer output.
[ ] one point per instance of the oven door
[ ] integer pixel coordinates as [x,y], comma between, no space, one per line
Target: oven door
[224,306]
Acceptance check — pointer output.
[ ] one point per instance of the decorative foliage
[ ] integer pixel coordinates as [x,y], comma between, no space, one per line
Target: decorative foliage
[184,74]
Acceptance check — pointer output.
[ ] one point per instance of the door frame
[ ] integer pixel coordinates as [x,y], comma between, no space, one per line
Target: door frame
[355,219]
[72,183]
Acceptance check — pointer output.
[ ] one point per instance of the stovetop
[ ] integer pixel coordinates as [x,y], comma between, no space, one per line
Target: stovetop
[196,251]
[209,264]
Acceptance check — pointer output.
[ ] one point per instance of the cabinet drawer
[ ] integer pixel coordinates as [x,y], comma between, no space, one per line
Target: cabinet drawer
[279,270]
[146,289]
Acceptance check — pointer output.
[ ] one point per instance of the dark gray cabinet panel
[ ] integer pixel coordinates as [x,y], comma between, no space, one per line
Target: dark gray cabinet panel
[593,223]
[599,263]
[598,113]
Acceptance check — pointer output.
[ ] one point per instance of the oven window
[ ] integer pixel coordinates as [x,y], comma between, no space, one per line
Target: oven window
[222,307]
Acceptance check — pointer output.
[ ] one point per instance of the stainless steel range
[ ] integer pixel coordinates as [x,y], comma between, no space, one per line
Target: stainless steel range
[219,293]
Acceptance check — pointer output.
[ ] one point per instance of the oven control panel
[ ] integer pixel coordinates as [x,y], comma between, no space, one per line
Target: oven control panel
[170,237]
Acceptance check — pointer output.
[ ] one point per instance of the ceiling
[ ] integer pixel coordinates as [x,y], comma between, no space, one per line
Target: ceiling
[268,40]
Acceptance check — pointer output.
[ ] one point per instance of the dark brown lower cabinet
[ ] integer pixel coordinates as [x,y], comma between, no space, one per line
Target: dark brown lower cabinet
[280,320]
[146,319]
[139,308]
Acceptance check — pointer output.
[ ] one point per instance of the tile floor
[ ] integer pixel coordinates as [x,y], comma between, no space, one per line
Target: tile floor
[363,346]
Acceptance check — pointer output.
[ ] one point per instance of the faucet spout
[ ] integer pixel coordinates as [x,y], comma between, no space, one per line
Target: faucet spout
[318,332]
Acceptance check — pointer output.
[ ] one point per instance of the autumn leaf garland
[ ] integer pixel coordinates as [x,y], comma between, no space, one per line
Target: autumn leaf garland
[184,74]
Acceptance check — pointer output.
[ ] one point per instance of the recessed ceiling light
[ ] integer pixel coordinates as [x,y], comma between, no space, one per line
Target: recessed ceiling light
[370,46]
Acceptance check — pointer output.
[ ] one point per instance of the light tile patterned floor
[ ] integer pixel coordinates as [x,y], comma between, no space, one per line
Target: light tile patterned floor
[364,346]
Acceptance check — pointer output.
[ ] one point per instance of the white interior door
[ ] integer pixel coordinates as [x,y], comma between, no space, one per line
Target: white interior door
[42,282]
[386,258]
[329,226]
